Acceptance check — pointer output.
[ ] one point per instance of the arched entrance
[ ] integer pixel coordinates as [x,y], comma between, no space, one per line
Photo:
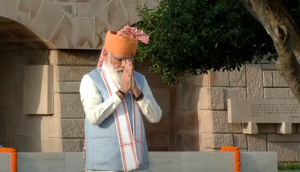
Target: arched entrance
[20,47]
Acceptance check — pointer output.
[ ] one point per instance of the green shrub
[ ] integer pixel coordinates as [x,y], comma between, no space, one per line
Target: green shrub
[194,36]
[288,166]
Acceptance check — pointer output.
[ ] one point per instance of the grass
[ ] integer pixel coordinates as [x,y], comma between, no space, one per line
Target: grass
[288,167]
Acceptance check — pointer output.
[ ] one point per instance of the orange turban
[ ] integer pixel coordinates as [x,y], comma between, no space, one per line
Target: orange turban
[120,45]
[123,42]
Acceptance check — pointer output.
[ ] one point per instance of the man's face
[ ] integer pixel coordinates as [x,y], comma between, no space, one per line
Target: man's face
[116,65]
[118,61]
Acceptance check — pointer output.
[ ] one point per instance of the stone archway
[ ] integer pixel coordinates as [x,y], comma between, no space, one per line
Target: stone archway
[73,24]
[14,35]
[20,46]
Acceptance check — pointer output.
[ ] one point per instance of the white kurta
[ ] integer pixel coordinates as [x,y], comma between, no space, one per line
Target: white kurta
[97,111]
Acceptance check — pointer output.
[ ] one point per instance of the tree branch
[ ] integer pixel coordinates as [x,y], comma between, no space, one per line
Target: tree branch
[285,35]
[247,4]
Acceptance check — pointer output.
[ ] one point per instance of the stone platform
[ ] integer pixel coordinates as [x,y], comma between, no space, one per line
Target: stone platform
[159,162]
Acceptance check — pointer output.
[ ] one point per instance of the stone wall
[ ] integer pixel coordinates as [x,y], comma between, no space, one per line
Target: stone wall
[67,123]
[63,131]
[21,131]
[159,135]
[185,117]
[194,111]
[70,24]
[68,120]
[253,81]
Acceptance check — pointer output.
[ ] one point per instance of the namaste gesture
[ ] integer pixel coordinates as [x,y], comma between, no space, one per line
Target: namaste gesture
[128,81]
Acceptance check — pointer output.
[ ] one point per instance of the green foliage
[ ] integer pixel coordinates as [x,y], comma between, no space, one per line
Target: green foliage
[288,166]
[194,36]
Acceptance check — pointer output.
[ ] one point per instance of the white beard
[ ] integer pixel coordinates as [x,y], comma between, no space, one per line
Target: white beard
[116,74]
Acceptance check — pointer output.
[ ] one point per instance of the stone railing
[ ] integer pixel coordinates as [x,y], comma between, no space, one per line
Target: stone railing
[159,162]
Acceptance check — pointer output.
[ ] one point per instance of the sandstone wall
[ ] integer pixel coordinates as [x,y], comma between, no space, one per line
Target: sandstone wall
[68,119]
[24,132]
[194,111]
[159,135]
[69,24]
[63,131]
[260,81]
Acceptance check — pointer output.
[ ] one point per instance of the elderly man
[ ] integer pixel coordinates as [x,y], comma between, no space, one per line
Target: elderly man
[115,98]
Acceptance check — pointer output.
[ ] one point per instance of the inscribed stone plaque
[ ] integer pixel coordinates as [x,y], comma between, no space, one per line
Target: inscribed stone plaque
[263,111]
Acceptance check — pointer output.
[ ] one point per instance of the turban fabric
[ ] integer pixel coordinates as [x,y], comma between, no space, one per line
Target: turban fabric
[123,42]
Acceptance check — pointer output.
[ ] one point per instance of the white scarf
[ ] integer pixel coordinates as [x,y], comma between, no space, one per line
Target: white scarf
[131,143]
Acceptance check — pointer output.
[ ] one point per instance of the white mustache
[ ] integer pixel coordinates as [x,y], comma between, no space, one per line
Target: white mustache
[120,69]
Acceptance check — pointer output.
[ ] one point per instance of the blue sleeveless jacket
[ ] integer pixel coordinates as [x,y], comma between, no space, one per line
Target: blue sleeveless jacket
[102,144]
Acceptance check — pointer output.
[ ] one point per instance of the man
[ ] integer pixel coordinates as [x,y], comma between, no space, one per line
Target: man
[115,98]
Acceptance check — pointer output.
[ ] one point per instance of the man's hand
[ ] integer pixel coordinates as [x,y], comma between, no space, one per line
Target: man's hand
[134,90]
[126,80]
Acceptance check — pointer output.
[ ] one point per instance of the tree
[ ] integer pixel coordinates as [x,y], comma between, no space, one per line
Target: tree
[194,36]
[285,34]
